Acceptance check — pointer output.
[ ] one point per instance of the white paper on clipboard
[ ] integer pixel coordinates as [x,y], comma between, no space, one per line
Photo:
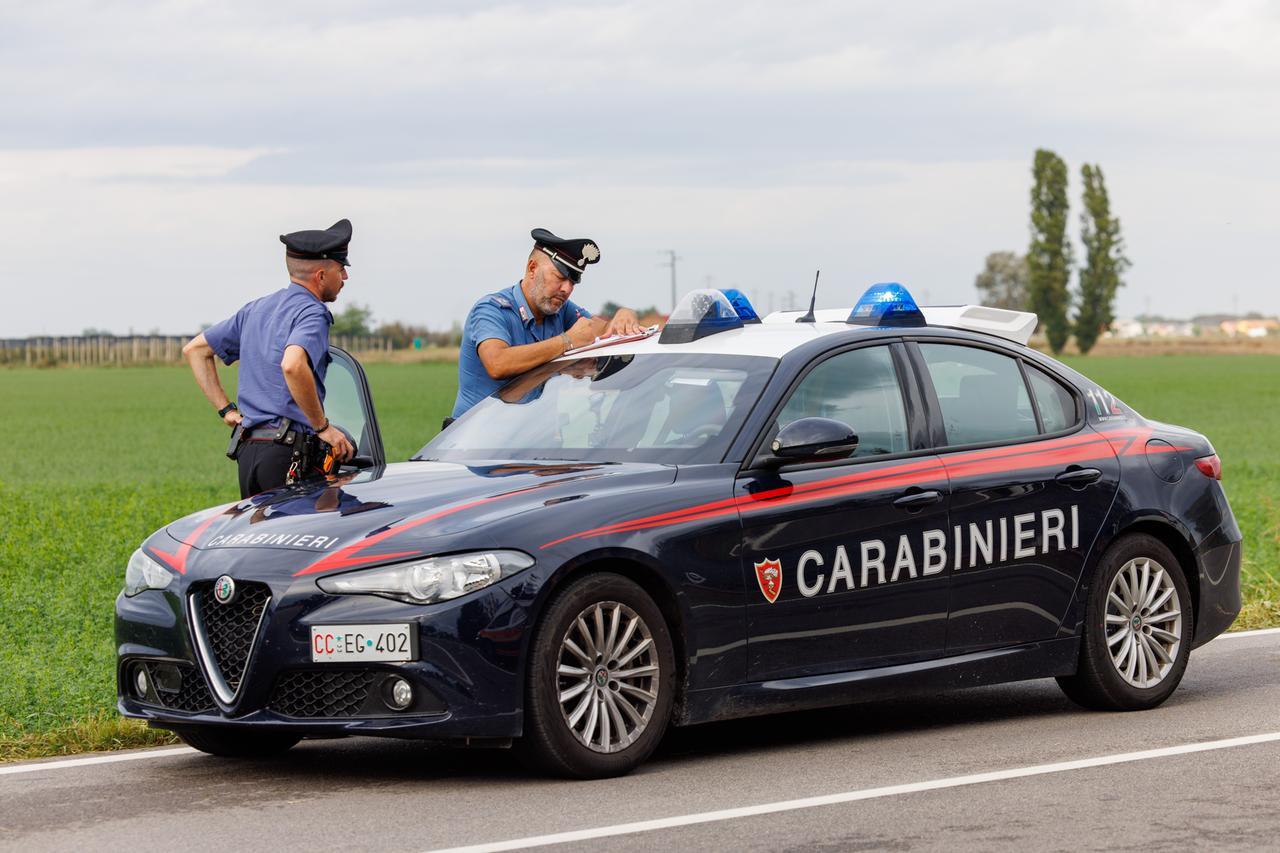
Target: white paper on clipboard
[614,339]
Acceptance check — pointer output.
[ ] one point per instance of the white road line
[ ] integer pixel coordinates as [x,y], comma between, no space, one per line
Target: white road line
[1256,632]
[852,796]
[109,758]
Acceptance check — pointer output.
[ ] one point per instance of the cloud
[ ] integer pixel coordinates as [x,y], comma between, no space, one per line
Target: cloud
[760,140]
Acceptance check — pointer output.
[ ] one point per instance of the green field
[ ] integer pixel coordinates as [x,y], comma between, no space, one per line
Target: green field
[102,457]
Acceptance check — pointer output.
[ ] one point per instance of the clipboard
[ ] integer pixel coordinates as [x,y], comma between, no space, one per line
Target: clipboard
[615,339]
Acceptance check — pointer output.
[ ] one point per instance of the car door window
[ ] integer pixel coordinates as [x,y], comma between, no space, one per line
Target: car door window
[982,394]
[347,403]
[1057,406]
[859,388]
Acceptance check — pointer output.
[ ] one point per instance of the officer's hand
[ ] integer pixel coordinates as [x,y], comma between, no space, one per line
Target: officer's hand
[625,322]
[583,332]
[342,449]
[232,418]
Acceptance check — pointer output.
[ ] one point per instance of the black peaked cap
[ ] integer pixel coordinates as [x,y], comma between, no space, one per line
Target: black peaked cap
[327,245]
[571,256]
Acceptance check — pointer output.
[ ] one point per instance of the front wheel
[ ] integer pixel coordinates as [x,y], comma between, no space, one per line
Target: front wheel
[236,743]
[1137,630]
[601,680]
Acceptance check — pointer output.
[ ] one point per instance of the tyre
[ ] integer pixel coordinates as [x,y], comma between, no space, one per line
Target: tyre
[601,680]
[236,743]
[1137,629]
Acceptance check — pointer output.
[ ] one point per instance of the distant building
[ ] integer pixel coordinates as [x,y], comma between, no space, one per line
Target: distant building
[1249,328]
[1152,328]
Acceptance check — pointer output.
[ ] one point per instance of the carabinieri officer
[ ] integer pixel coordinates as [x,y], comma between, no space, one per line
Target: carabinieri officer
[532,322]
[282,344]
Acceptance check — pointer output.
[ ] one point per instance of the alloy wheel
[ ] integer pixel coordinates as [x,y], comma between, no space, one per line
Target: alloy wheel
[607,676]
[1143,622]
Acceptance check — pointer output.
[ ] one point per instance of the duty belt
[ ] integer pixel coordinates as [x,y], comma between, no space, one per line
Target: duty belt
[266,432]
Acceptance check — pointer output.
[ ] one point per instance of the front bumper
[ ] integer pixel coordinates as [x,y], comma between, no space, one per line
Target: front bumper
[467,674]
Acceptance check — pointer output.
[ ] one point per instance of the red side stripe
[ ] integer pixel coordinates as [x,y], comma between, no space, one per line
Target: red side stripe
[178,561]
[345,557]
[1080,447]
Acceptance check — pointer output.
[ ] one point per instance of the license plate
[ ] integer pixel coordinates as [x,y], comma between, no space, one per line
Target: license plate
[345,643]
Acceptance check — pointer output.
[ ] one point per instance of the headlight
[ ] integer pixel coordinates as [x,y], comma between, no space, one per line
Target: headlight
[144,573]
[431,579]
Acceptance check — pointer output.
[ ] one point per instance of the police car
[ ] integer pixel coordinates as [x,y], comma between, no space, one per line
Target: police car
[737,517]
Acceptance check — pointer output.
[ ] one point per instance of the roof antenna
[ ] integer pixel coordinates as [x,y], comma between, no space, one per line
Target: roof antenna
[808,318]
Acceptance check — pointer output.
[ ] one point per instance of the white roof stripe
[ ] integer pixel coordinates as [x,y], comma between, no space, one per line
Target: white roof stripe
[774,341]
[779,333]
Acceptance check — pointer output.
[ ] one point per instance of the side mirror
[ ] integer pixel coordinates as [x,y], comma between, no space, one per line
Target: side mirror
[816,439]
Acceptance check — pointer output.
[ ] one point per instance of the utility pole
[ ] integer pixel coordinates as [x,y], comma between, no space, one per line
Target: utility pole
[672,257]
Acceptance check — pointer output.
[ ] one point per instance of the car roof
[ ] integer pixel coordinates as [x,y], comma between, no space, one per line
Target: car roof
[780,334]
[771,340]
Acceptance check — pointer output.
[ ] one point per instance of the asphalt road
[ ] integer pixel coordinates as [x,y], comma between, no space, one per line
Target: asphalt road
[890,775]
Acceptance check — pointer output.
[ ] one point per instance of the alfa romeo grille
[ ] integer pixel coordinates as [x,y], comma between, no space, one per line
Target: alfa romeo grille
[192,693]
[340,693]
[226,633]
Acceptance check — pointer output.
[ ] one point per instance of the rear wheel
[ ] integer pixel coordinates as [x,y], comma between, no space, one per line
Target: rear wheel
[1137,631]
[236,743]
[601,680]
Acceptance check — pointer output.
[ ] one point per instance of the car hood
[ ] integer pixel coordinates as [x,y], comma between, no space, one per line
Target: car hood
[400,511]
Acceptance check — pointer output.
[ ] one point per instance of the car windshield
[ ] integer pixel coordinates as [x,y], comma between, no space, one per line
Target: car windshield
[622,408]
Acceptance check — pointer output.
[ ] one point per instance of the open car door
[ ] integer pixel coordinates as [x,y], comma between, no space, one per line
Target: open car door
[348,404]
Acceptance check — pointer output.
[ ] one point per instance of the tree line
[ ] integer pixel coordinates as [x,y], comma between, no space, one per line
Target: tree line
[1040,280]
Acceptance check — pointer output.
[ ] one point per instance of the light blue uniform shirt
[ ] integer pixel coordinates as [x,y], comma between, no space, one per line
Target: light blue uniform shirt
[257,335]
[506,316]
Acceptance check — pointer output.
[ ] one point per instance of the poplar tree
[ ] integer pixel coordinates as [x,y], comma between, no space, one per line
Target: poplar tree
[1103,264]
[1049,256]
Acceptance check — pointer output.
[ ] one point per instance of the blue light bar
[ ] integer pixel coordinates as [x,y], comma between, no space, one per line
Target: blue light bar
[741,304]
[701,313]
[886,304]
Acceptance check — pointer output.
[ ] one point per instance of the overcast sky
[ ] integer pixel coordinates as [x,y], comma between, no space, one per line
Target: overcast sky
[151,153]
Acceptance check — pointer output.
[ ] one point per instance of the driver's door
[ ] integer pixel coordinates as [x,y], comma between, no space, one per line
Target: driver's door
[845,562]
[348,404]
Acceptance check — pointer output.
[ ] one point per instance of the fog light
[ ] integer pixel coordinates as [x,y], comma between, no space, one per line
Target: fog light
[397,693]
[140,681]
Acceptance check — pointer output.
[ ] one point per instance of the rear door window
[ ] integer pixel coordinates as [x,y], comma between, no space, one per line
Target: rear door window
[982,394]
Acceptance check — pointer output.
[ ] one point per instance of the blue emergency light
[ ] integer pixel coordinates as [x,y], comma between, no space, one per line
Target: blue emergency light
[886,304]
[741,304]
[702,312]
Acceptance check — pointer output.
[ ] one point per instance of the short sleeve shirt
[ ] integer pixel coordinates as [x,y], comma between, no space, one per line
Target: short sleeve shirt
[257,335]
[505,316]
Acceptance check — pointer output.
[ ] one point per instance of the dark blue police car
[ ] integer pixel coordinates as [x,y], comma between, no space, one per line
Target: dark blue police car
[735,518]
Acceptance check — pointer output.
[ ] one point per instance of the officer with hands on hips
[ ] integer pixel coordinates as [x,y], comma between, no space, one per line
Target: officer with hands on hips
[282,344]
[532,322]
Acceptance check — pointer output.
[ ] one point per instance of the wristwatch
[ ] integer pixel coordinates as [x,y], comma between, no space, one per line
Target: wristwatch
[568,344]
[222,413]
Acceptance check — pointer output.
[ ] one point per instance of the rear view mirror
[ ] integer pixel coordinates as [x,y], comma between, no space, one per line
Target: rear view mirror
[816,439]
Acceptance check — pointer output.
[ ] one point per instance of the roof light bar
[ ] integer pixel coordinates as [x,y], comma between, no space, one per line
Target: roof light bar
[886,304]
[700,313]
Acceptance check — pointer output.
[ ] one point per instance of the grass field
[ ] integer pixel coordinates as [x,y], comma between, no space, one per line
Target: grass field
[104,456]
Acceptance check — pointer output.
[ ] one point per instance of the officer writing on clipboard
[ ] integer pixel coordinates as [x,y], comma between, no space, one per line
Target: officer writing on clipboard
[532,322]
[282,344]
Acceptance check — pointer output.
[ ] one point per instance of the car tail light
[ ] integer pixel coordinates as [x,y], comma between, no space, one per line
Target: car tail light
[1210,466]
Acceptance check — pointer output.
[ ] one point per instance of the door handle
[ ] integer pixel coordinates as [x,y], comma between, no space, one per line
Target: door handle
[917,500]
[1078,477]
